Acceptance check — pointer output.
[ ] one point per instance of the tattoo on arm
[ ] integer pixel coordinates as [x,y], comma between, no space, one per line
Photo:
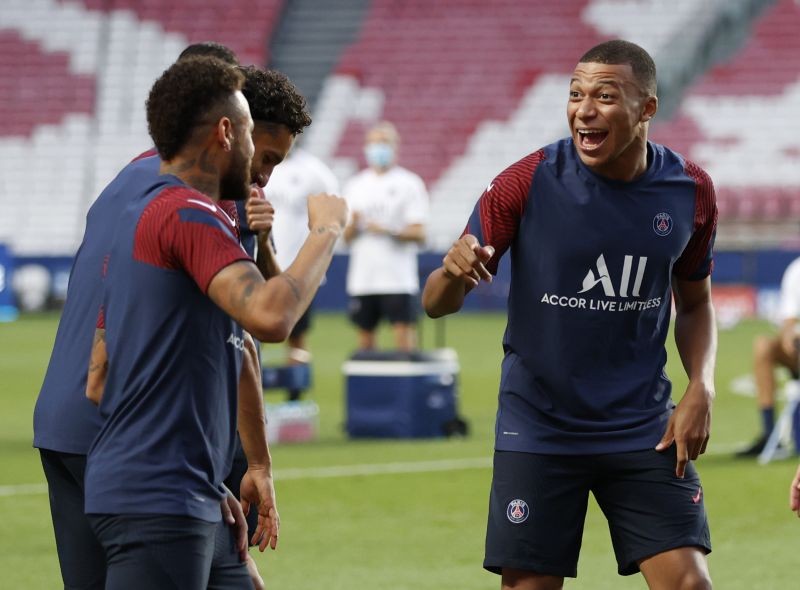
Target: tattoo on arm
[293,284]
[246,284]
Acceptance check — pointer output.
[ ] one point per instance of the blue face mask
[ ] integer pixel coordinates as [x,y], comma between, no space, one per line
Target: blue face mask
[379,155]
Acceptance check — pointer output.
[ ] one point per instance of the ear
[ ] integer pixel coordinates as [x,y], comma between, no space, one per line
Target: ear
[650,107]
[224,133]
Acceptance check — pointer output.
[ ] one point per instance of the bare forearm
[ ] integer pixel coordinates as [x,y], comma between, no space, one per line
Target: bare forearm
[443,295]
[265,258]
[251,418]
[98,368]
[696,340]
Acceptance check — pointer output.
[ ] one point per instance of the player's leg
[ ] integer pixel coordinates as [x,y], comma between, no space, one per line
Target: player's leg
[228,571]
[655,518]
[768,355]
[537,509]
[155,552]
[80,555]
[401,311]
[364,312]
[298,353]
[684,568]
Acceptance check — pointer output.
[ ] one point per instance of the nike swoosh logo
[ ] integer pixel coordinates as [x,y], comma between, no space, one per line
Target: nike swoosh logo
[696,498]
[202,204]
[213,208]
[490,187]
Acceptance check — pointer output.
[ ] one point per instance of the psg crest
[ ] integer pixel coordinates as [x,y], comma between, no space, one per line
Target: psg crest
[517,511]
[662,224]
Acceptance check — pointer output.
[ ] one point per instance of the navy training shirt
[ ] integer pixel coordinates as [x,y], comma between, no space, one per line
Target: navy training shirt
[174,360]
[592,262]
[64,420]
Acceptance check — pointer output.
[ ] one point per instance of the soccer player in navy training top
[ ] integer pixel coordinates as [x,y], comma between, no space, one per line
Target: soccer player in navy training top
[64,421]
[604,227]
[177,289]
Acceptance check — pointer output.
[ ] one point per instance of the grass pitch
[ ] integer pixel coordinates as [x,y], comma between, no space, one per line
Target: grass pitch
[410,515]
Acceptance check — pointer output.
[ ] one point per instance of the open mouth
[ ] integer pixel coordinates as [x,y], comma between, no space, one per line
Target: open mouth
[591,139]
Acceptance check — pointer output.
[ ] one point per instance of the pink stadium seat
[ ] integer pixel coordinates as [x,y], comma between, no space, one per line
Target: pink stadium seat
[50,92]
[243,25]
[444,67]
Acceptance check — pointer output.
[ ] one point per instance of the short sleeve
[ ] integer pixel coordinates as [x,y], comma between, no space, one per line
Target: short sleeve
[790,292]
[418,202]
[181,229]
[697,260]
[497,214]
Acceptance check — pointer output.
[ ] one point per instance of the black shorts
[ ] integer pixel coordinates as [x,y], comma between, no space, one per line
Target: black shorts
[366,311]
[538,506]
[162,552]
[80,555]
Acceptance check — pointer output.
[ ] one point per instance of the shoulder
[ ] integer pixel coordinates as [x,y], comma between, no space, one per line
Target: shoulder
[792,272]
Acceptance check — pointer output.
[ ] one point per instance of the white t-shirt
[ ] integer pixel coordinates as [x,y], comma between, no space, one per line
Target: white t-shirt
[790,292]
[380,264]
[290,184]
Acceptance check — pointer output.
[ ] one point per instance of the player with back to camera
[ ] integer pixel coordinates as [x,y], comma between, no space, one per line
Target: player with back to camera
[604,228]
[64,421]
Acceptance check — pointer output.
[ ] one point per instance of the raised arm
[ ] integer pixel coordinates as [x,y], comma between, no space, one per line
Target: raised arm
[260,216]
[269,309]
[689,426]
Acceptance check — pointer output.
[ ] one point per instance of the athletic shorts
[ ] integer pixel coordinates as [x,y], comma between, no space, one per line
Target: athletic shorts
[160,552]
[80,555]
[366,311]
[537,509]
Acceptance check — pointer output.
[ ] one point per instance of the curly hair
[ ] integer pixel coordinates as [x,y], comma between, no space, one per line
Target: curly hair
[619,52]
[183,96]
[210,49]
[273,98]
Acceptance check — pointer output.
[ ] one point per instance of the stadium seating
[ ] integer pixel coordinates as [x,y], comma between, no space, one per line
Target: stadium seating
[473,85]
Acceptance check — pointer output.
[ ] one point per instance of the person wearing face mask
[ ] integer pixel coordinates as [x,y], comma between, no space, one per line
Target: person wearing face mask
[389,207]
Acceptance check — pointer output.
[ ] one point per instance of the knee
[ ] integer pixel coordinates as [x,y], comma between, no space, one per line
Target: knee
[763,348]
[695,580]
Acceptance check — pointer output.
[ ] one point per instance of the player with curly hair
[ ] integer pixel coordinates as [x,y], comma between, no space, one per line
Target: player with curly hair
[178,291]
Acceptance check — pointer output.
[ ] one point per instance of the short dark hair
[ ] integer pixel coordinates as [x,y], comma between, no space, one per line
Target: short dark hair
[619,52]
[210,49]
[273,98]
[184,95]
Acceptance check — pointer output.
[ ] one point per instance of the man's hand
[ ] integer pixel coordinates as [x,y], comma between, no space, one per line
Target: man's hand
[794,493]
[689,427]
[466,261]
[326,211]
[260,213]
[257,488]
[233,515]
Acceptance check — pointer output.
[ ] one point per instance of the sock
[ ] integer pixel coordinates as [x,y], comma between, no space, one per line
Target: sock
[768,420]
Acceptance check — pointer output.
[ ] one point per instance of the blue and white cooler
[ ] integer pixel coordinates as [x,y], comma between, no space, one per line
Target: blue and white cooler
[402,395]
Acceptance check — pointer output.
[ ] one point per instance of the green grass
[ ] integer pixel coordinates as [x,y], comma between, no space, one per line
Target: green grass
[414,530]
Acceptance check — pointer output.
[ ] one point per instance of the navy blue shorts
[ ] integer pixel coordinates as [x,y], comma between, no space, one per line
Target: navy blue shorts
[538,506]
[160,552]
[80,556]
[366,311]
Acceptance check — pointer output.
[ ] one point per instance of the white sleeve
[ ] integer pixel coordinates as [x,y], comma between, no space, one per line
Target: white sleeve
[418,205]
[327,179]
[790,292]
